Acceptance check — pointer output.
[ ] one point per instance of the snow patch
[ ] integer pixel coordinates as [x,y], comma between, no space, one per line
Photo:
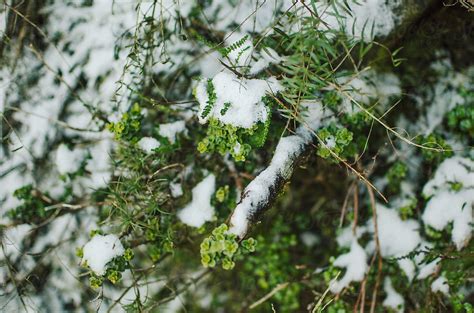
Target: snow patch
[428,269]
[441,285]
[148,144]
[171,130]
[176,190]
[393,300]
[397,237]
[456,207]
[355,263]
[268,56]
[200,209]
[68,161]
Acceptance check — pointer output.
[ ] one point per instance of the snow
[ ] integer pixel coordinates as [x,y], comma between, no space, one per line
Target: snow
[268,57]
[441,285]
[312,114]
[408,267]
[397,237]
[456,207]
[244,95]
[68,161]
[455,169]
[428,269]
[12,240]
[347,235]
[99,164]
[171,130]
[148,144]
[176,190]
[379,13]
[309,239]
[355,263]
[200,209]
[364,14]
[250,15]
[443,95]
[100,250]
[368,86]
[393,300]
[448,206]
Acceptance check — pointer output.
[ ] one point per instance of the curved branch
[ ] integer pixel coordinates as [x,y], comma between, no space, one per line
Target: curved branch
[261,193]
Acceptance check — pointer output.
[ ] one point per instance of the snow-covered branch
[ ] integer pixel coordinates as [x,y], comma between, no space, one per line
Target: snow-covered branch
[260,194]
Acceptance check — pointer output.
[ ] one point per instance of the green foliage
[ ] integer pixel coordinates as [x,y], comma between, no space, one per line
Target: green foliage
[33,208]
[234,46]
[272,265]
[96,281]
[226,107]
[222,193]
[128,254]
[408,211]
[459,304]
[461,120]
[308,69]
[237,141]
[222,247]
[128,128]
[332,99]
[114,268]
[94,232]
[439,151]
[456,186]
[138,205]
[336,139]
[396,174]
[224,51]
[212,98]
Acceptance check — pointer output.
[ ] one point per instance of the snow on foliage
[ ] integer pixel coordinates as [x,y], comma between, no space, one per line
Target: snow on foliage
[82,80]
[257,193]
[100,250]
[148,144]
[393,299]
[451,206]
[355,263]
[367,19]
[259,190]
[441,285]
[243,97]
